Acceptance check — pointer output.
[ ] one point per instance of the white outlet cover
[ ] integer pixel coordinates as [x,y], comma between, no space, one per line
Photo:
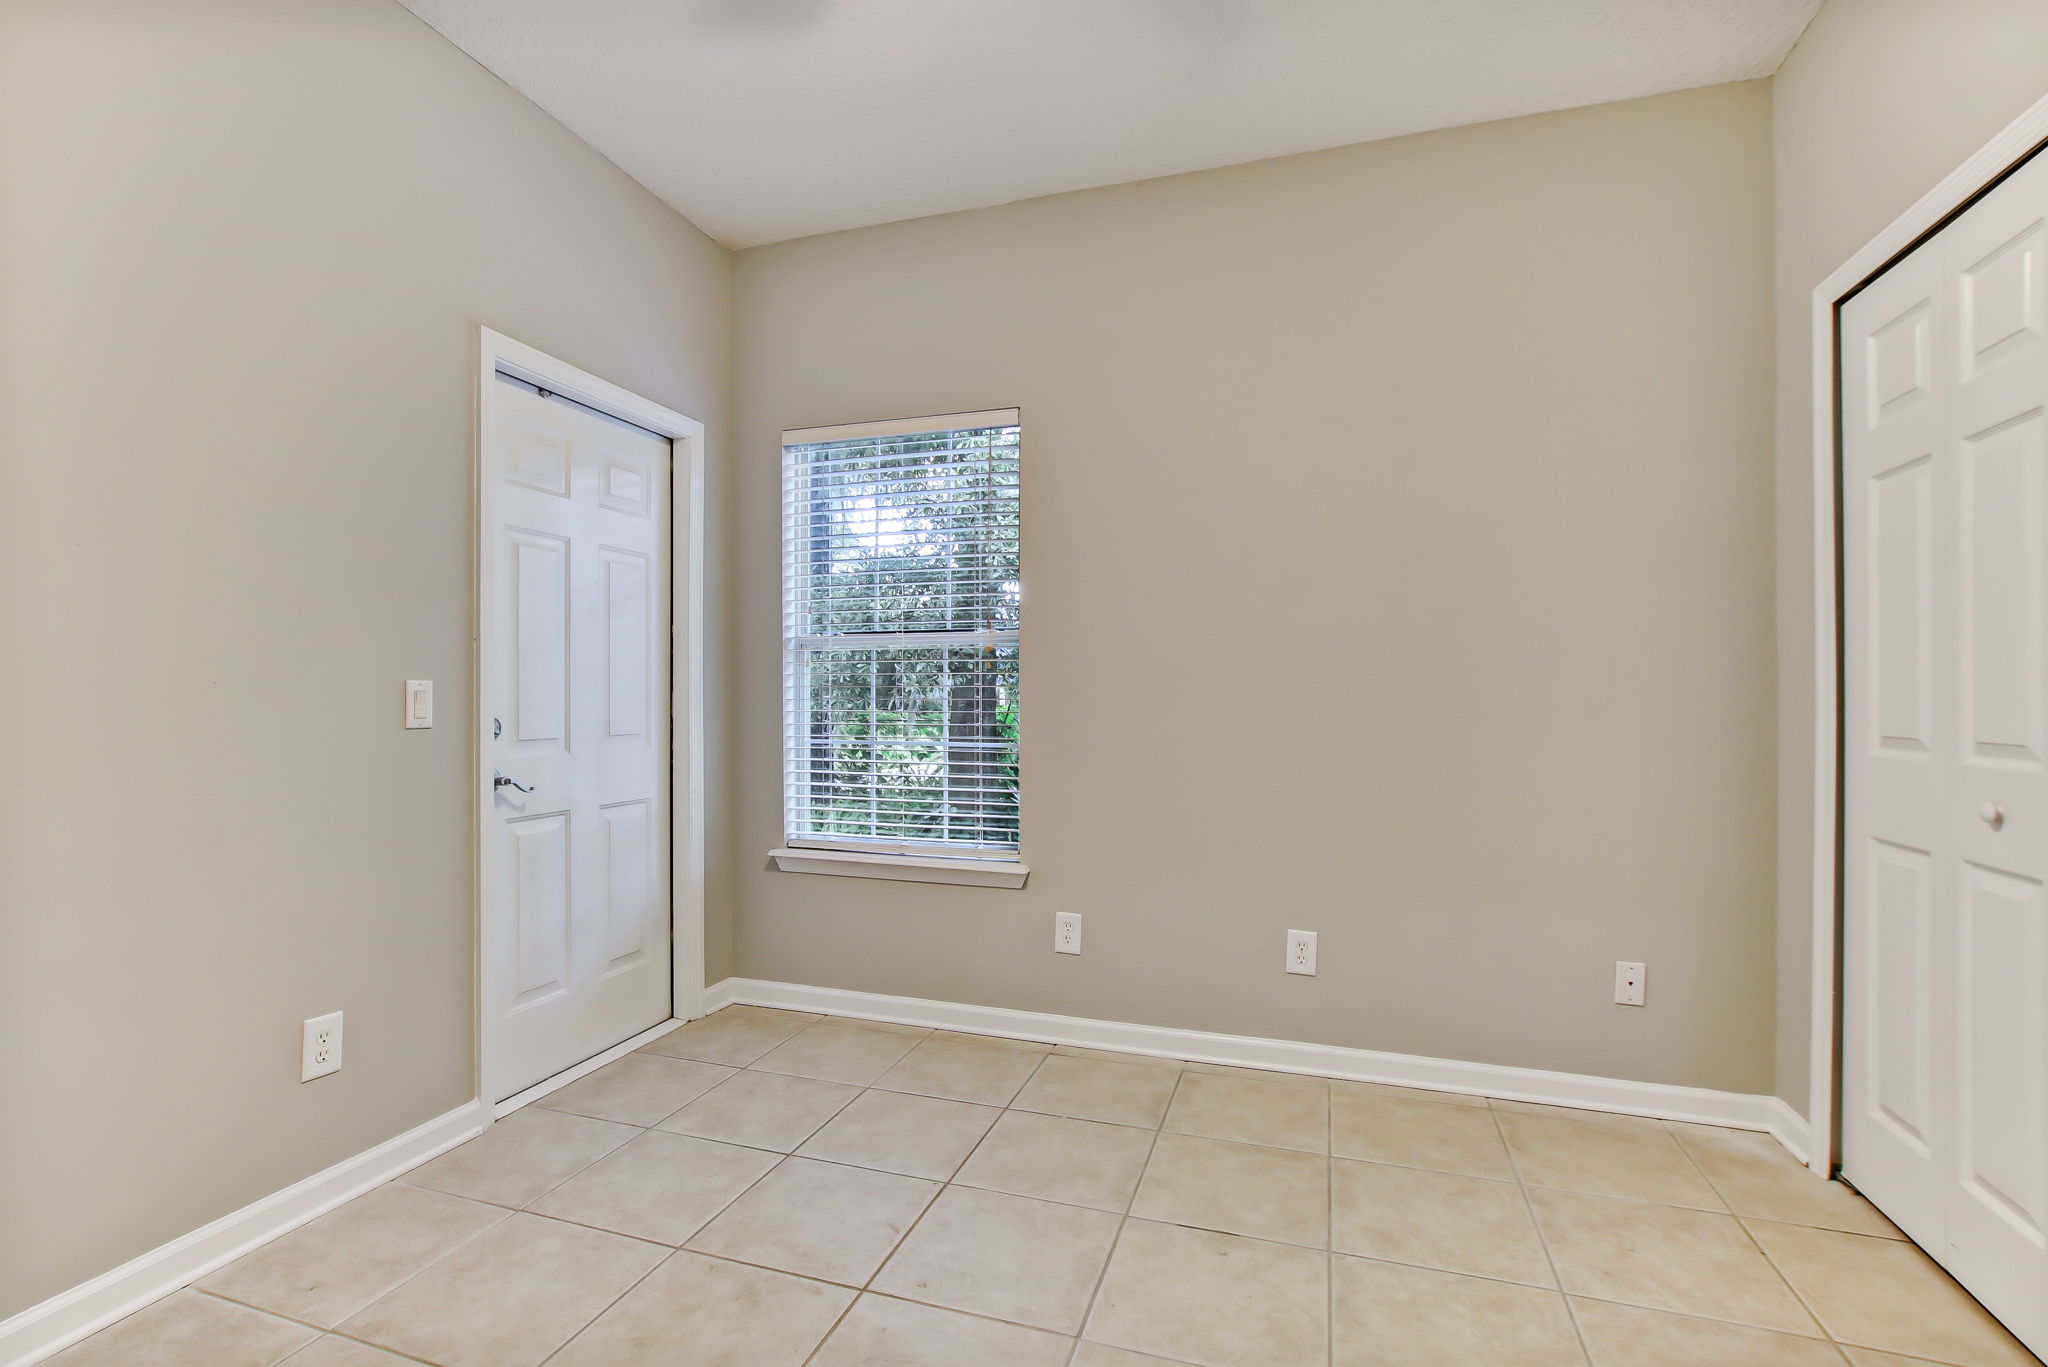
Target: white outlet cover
[1066,933]
[1631,981]
[320,1047]
[1301,952]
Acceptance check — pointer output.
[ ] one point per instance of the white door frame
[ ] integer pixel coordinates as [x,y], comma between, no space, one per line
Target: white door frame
[498,353]
[1956,192]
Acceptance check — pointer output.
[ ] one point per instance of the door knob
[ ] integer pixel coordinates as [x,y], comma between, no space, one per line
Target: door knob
[498,781]
[1993,815]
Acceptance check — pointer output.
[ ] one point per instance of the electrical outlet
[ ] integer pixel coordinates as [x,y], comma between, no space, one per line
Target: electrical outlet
[1066,933]
[320,1047]
[1629,982]
[1301,952]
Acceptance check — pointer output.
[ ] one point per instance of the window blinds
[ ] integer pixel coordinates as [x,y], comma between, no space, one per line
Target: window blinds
[901,615]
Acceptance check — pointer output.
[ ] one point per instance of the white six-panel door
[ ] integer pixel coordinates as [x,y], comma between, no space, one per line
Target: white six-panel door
[574,686]
[1944,366]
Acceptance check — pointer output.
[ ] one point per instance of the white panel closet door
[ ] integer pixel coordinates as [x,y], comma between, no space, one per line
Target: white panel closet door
[1945,747]
[575,687]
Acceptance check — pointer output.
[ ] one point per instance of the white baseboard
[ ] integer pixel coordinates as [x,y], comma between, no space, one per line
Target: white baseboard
[44,1329]
[719,995]
[1791,1129]
[1737,1110]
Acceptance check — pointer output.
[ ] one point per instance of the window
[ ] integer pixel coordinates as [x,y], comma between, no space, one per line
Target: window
[901,617]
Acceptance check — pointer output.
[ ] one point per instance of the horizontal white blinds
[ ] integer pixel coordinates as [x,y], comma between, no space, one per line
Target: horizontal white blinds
[901,615]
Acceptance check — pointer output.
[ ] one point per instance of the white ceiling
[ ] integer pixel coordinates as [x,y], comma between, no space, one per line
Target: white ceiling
[768,119]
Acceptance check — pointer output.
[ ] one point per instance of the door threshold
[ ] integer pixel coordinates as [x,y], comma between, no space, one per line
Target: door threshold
[501,1109]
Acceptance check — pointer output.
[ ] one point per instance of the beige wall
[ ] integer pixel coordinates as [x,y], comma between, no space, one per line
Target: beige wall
[1398,538]
[1879,101]
[1398,549]
[244,247]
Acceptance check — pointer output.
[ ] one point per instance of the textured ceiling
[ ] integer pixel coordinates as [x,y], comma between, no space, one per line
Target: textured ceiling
[769,119]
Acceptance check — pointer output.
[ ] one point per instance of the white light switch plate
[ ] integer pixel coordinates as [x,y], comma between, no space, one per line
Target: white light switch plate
[419,704]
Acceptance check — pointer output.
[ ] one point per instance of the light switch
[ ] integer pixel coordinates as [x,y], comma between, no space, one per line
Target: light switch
[419,704]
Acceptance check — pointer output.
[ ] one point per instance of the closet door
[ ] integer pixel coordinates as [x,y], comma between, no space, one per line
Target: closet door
[1944,369]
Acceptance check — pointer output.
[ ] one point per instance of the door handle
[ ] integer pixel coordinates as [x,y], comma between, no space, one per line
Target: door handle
[1992,815]
[498,781]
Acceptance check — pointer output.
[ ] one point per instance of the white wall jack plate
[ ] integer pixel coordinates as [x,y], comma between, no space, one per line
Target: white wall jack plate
[1066,933]
[1629,982]
[1301,952]
[320,1047]
[419,704]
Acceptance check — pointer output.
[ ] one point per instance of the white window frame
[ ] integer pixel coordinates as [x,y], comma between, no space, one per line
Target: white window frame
[903,863]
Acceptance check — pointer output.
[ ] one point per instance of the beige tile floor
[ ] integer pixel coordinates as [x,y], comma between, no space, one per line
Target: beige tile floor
[767,1189]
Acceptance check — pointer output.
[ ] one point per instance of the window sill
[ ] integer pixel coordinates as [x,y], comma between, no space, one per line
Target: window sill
[904,868]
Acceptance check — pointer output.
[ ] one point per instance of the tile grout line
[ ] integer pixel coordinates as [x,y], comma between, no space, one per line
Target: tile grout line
[1571,1297]
[1158,1129]
[1737,1324]
[584,1327]
[943,1182]
[578,1333]
[524,1210]
[1124,1219]
[1542,1240]
[864,1288]
[663,1261]
[842,1286]
[510,1211]
[1761,1251]
[448,1252]
[1185,1067]
[1694,1164]
[983,1316]
[1508,1281]
[1330,1225]
[319,1332]
[858,1291]
[673,1249]
[748,1067]
[833,1327]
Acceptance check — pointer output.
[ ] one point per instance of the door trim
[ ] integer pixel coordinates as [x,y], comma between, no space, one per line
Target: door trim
[1961,188]
[499,353]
